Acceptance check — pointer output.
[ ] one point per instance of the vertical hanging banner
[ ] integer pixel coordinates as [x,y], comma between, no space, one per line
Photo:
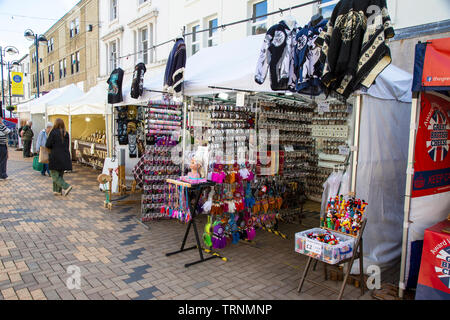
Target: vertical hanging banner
[17,84]
[432,158]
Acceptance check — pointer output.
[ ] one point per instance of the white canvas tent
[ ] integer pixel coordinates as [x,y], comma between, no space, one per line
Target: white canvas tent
[381,164]
[60,105]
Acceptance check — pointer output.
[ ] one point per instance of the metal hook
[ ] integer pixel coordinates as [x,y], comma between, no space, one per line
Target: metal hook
[281,11]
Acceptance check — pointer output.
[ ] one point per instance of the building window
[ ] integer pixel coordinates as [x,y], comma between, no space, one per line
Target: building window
[259,25]
[143,45]
[74,27]
[113,55]
[50,45]
[113,10]
[41,78]
[77,61]
[51,73]
[212,33]
[77,26]
[195,46]
[62,68]
[326,8]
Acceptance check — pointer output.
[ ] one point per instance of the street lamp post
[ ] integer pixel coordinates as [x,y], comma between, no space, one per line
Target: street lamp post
[31,36]
[11,50]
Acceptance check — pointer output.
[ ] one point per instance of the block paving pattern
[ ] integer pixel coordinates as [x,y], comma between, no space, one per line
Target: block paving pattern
[41,235]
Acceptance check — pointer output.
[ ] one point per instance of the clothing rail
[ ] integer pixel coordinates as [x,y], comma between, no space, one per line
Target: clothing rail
[223,26]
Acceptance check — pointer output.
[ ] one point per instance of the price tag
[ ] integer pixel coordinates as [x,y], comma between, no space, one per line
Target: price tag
[324,107]
[240,99]
[313,247]
[344,150]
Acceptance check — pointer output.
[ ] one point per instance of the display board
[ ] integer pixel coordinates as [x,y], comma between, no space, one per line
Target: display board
[432,161]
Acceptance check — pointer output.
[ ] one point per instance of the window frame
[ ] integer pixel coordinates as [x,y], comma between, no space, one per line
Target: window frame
[321,5]
[197,37]
[144,56]
[212,35]
[254,24]
[113,13]
[113,62]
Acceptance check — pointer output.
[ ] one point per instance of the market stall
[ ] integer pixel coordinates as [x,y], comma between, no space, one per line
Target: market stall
[318,137]
[427,199]
[90,128]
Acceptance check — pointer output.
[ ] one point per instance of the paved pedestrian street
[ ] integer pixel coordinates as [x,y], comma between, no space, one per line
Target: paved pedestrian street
[42,235]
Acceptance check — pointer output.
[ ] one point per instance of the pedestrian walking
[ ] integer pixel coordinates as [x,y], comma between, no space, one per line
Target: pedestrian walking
[27,138]
[4,131]
[41,141]
[59,158]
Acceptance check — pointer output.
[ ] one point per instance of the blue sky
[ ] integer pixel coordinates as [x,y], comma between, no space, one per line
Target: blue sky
[37,15]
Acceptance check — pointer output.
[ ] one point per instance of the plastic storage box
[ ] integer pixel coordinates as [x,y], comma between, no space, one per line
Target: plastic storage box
[331,254]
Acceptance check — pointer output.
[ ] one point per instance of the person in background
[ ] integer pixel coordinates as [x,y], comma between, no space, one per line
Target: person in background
[4,131]
[22,124]
[41,141]
[59,158]
[27,138]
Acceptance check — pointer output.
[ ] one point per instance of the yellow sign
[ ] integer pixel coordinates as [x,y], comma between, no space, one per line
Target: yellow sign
[17,84]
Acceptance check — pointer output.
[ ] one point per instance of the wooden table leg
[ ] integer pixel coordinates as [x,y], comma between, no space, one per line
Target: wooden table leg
[302,280]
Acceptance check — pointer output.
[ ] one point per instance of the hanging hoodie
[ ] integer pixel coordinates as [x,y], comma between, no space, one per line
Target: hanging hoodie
[307,66]
[115,86]
[176,63]
[354,47]
[277,55]
[137,85]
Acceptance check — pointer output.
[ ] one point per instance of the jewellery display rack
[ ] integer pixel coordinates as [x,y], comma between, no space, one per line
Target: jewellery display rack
[199,121]
[330,130]
[297,149]
[163,123]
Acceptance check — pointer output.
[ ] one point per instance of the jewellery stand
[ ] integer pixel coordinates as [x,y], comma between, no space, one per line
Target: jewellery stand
[357,254]
[194,190]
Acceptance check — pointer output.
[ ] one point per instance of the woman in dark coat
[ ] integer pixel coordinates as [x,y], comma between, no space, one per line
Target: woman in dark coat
[59,158]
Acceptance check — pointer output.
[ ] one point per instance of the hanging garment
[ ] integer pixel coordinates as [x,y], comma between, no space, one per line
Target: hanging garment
[122,132]
[307,66]
[137,85]
[277,54]
[115,86]
[354,47]
[176,63]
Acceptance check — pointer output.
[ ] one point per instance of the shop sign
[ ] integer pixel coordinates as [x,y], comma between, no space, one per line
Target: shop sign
[432,159]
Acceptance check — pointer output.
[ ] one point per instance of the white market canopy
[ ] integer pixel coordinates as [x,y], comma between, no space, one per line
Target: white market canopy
[60,105]
[95,101]
[39,106]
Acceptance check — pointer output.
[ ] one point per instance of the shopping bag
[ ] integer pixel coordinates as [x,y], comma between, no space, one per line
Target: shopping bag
[43,155]
[36,165]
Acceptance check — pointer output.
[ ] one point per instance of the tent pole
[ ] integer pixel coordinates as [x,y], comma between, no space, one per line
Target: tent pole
[356,142]
[409,181]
